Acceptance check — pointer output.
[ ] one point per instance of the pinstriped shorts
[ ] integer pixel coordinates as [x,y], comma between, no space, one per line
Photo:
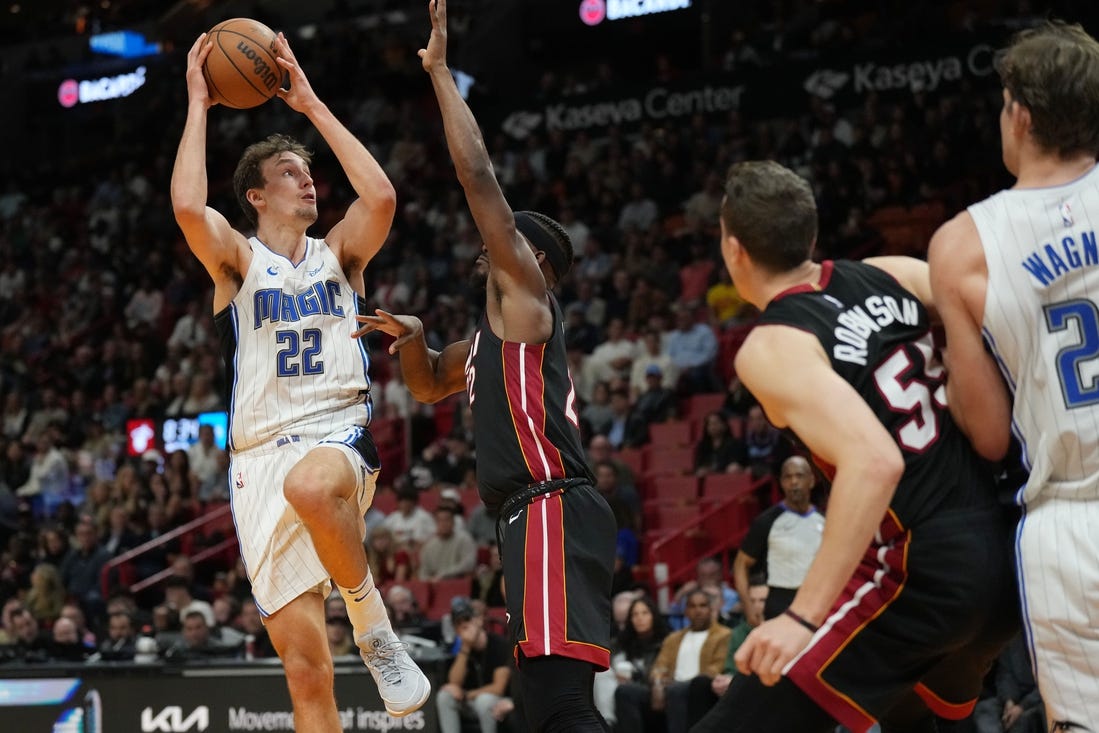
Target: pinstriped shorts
[278,552]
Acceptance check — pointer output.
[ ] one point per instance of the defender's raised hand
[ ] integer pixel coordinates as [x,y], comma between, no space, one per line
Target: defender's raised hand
[402,328]
[434,56]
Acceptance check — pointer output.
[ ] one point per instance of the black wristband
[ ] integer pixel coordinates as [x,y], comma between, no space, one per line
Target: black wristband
[813,628]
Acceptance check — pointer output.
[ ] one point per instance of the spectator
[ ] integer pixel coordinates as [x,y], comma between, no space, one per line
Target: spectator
[387,563]
[31,643]
[597,415]
[783,540]
[651,355]
[451,553]
[206,462]
[692,347]
[46,595]
[764,443]
[65,644]
[80,570]
[599,451]
[626,509]
[404,611]
[250,624]
[196,641]
[119,537]
[725,303]
[613,357]
[656,403]
[717,451]
[341,640]
[626,430]
[488,581]
[634,652]
[49,470]
[478,676]
[707,575]
[121,637]
[1017,705]
[696,650]
[411,524]
[704,691]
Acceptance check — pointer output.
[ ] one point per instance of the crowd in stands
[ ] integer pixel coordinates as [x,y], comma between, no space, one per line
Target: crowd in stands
[104,317]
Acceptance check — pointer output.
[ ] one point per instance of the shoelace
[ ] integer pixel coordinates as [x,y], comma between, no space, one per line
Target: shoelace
[384,658]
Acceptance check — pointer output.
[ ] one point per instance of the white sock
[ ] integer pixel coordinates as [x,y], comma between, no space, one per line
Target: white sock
[365,607]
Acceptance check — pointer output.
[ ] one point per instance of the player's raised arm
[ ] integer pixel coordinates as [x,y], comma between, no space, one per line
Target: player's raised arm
[208,234]
[365,226]
[978,398]
[511,257]
[429,375]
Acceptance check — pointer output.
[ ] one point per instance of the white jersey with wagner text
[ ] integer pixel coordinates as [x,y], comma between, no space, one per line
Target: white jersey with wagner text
[293,366]
[1042,321]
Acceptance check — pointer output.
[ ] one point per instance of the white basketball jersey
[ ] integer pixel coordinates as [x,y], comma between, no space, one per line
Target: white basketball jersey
[295,368]
[1042,321]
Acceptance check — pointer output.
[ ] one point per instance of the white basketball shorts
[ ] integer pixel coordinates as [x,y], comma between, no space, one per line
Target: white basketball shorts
[278,552]
[1058,546]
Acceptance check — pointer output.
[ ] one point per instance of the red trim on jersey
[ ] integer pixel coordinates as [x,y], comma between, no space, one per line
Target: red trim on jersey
[865,597]
[942,708]
[524,383]
[820,284]
[545,606]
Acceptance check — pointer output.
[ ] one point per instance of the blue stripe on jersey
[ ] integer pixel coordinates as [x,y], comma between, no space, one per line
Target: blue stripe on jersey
[360,309]
[235,320]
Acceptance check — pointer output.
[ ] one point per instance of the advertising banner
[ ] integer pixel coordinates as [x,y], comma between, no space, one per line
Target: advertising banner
[134,699]
[844,79]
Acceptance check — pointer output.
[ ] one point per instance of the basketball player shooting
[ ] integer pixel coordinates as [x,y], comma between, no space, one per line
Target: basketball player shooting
[557,533]
[303,462]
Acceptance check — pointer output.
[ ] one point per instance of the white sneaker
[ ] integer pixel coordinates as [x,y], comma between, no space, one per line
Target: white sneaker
[401,683]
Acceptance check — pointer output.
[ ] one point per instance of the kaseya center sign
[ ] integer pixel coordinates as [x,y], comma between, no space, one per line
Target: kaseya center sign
[594,12]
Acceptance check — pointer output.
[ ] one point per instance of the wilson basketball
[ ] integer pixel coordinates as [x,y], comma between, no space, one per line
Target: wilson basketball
[241,70]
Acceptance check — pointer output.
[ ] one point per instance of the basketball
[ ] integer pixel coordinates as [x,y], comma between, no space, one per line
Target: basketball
[241,71]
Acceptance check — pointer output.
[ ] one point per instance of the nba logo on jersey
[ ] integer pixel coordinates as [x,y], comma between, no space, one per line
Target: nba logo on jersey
[1066,214]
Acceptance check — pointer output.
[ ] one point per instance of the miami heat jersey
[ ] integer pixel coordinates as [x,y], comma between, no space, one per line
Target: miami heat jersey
[524,412]
[877,336]
[291,363]
[1041,320]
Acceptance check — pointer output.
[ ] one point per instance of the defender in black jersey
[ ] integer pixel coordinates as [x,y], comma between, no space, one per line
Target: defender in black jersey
[556,531]
[911,594]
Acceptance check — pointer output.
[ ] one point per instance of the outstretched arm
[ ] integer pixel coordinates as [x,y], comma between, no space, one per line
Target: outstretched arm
[216,244]
[513,262]
[978,398]
[429,375]
[837,425]
[365,226]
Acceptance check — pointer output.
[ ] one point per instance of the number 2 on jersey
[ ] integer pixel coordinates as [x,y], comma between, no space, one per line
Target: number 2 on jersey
[1075,388]
[287,357]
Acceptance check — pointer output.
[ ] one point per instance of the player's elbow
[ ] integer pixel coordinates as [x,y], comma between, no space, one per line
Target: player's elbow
[883,468]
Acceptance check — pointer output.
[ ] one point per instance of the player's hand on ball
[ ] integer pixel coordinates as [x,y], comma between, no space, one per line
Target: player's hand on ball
[300,96]
[434,56]
[402,328]
[770,647]
[197,91]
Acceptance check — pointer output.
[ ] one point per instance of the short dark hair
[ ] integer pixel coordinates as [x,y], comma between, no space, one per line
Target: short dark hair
[1053,71]
[772,213]
[548,236]
[248,174]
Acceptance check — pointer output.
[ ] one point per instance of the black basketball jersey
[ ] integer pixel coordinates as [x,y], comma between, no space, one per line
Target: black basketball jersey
[524,412]
[877,335]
